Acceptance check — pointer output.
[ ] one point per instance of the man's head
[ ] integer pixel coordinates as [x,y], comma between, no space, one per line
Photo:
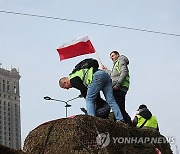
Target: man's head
[64,83]
[114,55]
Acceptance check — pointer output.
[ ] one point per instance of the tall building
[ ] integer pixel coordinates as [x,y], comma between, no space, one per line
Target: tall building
[10,124]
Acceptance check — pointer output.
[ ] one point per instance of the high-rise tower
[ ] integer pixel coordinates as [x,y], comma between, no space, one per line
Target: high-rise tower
[10,123]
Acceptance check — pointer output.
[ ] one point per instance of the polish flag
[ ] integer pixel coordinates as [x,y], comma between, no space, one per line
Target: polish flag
[80,46]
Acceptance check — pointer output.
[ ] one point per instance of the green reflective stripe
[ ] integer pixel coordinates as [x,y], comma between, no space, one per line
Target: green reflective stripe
[152,122]
[140,120]
[126,81]
[117,66]
[77,73]
[86,75]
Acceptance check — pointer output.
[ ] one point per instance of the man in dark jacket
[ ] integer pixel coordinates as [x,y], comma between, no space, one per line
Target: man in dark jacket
[145,119]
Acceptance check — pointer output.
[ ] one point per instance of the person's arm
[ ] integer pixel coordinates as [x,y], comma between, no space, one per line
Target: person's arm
[99,101]
[106,69]
[135,121]
[77,83]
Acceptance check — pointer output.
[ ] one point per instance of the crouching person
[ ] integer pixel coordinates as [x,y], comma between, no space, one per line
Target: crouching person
[102,109]
[145,119]
[93,80]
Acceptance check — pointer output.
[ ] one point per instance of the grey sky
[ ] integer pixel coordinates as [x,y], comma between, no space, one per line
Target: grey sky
[29,43]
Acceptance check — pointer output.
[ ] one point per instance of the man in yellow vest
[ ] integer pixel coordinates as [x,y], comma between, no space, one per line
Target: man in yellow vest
[145,119]
[94,80]
[120,81]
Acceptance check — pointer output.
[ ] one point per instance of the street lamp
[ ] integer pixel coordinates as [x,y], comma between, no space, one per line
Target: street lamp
[66,102]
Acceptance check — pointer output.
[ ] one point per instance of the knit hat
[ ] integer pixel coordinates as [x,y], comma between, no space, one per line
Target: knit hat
[142,106]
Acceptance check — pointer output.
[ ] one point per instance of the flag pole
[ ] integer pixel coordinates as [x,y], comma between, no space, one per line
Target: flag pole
[98,58]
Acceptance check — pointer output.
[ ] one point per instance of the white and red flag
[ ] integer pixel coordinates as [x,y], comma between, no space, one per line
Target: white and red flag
[80,46]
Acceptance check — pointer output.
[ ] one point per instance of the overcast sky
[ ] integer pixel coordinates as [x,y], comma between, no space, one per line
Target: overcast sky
[29,43]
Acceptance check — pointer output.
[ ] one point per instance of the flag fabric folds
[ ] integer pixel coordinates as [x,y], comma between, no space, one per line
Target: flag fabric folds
[75,48]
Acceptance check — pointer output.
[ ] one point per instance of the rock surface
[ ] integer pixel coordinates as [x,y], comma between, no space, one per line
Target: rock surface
[86,134]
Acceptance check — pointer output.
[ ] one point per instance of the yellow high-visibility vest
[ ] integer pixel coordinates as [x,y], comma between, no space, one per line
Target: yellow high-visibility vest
[152,122]
[86,75]
[126,81]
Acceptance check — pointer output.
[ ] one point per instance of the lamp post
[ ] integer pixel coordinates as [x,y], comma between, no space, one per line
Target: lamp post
[66,102]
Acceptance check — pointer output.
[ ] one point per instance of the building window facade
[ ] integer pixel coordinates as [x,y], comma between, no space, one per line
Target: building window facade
[10,126]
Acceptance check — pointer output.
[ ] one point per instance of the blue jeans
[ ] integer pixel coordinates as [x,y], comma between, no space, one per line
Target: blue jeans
[102,81]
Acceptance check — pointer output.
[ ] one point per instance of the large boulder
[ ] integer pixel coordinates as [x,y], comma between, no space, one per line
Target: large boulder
[86,134]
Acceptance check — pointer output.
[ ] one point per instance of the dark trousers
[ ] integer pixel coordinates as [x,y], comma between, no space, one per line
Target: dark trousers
[102,108]
[120,99]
